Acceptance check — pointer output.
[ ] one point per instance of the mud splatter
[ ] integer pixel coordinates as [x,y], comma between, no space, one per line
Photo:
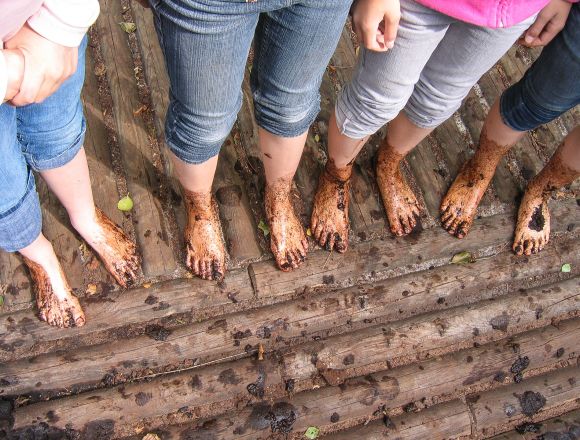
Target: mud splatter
[531,402]
[142,399]
[537,221]
[157,332]
[500,322]
[229,377]
[256,389]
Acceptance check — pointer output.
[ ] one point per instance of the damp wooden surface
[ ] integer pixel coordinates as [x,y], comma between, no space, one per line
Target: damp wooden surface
[390,340]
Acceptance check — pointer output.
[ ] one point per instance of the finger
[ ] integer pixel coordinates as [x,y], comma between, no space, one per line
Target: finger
[32,81]
[391,25]
[549,32]
[535,29]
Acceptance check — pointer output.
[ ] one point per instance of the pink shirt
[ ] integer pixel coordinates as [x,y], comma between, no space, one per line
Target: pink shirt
[63,21]
[489,13]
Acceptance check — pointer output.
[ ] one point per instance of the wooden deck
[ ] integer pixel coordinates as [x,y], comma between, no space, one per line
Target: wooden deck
[390,340]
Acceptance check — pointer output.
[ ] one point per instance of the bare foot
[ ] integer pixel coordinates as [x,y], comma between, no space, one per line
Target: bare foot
[459,205]
[116,250]
[206,256]
[287,239]
[533,226]
[399,200]
[329,222]
[54,298]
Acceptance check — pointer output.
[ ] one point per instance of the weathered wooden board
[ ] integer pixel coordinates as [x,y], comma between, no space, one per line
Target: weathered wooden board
[556,428]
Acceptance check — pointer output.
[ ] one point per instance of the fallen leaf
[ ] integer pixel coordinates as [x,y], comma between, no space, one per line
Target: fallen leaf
[1,300]
[317,138]
[140,110]
[128,27]
[91,289]
[146,285]
[125,204]
[262,226]
[463,258]
[566,268]
[309,232]
[151,436]
[312,432]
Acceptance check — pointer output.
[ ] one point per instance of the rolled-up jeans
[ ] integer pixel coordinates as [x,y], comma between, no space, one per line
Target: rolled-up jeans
[430,70]
[36,137]
[551,86]
[206,44]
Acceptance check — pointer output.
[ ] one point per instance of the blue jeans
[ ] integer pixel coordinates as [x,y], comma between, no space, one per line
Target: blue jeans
[206,45]
[36,137]
[551,86]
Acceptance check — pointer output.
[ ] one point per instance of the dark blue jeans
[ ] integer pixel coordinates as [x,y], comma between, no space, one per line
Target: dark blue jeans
[551,86]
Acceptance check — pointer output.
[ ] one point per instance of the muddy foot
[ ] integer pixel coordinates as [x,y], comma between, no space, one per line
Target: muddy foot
[287,239]
[399,200]
[206,256]
[533,225]
[329,222]
[459,206]
[115,249]
[54,298]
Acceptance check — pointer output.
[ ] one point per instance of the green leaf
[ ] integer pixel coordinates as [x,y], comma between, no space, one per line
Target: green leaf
[566,268]
[128,27]
[1,300]
[262,226]
[317,138]
[312,432]
[125,204]
[463,258]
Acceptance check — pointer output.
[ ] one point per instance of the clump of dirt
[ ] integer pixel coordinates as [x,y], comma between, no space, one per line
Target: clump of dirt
[528,427]
[282,417]
[500,322]
[537,222]
[531,402]
[256,389]
[335,417]
[157,332]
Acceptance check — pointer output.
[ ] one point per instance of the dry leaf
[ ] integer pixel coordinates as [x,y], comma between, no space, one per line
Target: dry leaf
[128,27]
[91,289]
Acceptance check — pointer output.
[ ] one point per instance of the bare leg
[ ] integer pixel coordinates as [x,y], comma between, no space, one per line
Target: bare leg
[533,225]
[329,221]
[459,205]
[206,255]
[54,298]
[287,238]
[72,185]
[398,198]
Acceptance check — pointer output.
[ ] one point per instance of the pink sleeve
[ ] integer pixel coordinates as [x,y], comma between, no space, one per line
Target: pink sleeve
[65,21]
[3,76]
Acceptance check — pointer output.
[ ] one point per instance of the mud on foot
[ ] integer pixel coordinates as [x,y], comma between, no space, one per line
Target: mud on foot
[115,249]
[398,198]
[329,221]
[287,238]
[459,205]
[533,224]
[206,256]
[54,298]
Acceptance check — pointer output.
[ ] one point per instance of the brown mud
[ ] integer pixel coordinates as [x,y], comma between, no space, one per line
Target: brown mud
[329,222]
[60,312]
[287,238]
[400,202]
[206,255]
[459,206]
[533,224]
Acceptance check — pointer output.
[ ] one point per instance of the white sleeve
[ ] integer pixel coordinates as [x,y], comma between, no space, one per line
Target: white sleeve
[3,78]
[65,21]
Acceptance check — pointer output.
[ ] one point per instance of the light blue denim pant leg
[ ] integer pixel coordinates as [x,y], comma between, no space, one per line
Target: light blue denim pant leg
[206,45]
[433,65]
[36,137]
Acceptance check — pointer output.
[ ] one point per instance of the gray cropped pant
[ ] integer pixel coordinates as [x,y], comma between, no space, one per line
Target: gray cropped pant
[435,62]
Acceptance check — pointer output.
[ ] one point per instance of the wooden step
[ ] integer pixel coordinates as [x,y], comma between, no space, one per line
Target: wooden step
[564,427]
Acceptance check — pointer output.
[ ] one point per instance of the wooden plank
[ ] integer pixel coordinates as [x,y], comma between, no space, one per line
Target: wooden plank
[140,161]
[285,325]
[441,422]
[533,400]
[425,385]
[564,427]
[124,314]
[377,260]
[407,341]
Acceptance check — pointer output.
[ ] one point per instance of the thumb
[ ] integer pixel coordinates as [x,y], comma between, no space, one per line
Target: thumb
[535,29]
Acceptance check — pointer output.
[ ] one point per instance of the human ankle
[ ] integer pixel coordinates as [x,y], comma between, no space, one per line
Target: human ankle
[339,174]
[199,202]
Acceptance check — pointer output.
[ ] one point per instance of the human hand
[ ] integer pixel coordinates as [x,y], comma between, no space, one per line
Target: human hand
[46,65]
[376,23]
[549,22]
[14,72]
